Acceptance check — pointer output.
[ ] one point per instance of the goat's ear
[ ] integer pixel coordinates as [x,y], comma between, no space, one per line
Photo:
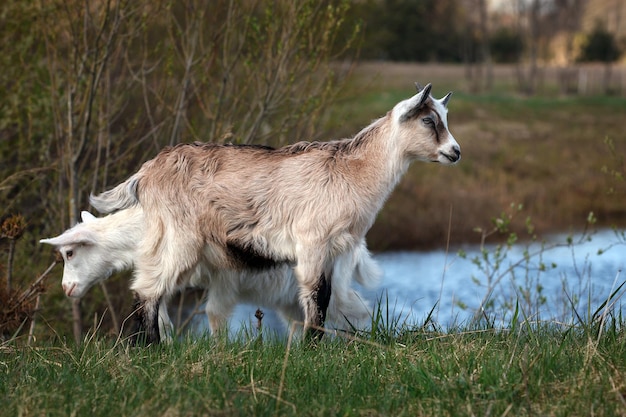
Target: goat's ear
[424,94]
[445,100]
[61,240]
[87,216]
[71,237]
[415,103]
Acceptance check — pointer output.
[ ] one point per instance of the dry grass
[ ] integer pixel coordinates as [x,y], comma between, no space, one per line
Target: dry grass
[393,75]
[547,152]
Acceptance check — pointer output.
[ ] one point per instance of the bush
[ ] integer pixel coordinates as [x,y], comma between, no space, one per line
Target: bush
[506,45]
[599,46]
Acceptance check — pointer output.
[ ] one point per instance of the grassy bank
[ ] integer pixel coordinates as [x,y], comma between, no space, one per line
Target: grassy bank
[553,154]
[522,366]
[523,370]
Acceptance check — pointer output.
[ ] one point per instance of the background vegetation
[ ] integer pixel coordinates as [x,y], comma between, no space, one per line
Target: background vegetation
[556,155]
[93,89]
[90,90]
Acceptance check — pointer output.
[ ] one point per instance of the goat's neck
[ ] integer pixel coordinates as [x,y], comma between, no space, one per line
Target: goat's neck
[121,234]
[386,157]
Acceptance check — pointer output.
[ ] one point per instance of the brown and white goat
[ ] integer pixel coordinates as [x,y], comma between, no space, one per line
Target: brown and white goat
[308,205]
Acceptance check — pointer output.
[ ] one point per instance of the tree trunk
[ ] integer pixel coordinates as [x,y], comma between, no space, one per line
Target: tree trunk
[607,78]
[485,52]
[10,265]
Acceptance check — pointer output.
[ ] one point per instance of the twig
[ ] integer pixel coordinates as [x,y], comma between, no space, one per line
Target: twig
[105,291]
[31,331]
[10,265]
[196,311]
[607,306]
[445,261]
[281,384]
[29,292]
[617,392]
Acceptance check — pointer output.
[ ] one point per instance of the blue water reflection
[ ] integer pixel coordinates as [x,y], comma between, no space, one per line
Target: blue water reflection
[416,282]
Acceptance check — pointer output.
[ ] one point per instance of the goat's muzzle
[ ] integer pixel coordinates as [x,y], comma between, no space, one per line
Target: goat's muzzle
[69,288]
[453,157]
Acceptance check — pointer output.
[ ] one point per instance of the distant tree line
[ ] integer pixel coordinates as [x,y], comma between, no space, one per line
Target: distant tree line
[599,45]
[452,31]
[411,30]
[527,34]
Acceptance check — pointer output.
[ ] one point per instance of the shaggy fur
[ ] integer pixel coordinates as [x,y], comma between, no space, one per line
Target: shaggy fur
[97,247]
[308,204]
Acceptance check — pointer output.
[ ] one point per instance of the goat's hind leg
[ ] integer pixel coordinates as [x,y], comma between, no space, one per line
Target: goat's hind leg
[219,308]
[166,327]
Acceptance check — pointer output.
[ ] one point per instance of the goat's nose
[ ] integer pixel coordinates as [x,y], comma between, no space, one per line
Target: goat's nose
[68,288]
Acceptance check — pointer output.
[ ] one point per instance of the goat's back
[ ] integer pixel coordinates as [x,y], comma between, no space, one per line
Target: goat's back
[256,199]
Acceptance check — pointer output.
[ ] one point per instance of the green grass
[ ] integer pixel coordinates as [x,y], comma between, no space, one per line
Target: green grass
[530,370]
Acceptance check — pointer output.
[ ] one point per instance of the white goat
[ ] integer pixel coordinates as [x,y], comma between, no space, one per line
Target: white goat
[96,248]
[308,204]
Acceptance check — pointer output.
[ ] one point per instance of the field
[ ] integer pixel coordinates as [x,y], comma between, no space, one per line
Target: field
[525,370]
[560,157]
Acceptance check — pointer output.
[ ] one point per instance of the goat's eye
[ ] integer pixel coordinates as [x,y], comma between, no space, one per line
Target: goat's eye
[428,121]
[69,254]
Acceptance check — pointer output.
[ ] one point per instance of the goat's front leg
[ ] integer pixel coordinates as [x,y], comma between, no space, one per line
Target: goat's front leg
[144,325]
[146,329]
[151,288]
[315,290]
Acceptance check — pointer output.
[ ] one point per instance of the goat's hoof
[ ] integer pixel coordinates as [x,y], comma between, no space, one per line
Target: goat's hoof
[142,339]
[312,337]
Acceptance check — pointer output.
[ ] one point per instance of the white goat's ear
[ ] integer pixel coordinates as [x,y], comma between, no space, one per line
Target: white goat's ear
[58,241]
[71,237]
[87,216]
[445,100]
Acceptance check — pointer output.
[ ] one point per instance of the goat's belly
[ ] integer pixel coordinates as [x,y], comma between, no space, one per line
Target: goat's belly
[241,256]
[270,296]
[250,258]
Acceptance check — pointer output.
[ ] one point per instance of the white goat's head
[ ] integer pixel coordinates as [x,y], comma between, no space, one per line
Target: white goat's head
[86,262]
[422,124]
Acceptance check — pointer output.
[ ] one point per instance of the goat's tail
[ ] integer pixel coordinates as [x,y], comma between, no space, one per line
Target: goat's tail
[366,272]
[348,308]
[119,198]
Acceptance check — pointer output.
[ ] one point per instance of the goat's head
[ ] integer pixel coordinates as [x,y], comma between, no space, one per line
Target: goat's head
[421,123]
[86,262]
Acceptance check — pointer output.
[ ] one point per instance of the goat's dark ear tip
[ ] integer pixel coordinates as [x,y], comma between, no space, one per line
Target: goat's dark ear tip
[419,87]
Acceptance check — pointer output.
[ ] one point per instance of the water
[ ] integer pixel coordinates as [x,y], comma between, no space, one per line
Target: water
[418,283]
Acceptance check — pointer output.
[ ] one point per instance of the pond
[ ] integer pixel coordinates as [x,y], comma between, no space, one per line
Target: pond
[553,281]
